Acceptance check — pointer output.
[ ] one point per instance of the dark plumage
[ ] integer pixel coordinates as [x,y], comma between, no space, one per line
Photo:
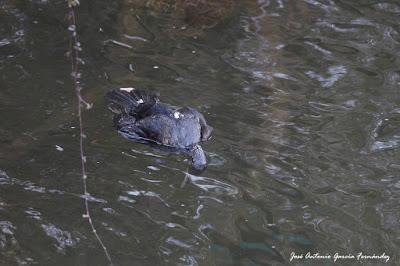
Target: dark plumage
[141,117]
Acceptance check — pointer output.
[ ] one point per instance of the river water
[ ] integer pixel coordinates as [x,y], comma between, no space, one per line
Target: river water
[304,100]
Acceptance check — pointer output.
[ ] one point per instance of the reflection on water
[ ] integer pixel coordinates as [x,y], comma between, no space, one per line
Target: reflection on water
[212,185]
[303,97]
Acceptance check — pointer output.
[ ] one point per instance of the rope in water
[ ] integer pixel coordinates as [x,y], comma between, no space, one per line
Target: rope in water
[75,49]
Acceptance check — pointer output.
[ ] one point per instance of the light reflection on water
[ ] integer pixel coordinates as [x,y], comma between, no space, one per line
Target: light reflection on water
[303,97]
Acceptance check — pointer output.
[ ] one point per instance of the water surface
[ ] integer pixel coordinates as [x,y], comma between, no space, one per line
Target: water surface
[303,97]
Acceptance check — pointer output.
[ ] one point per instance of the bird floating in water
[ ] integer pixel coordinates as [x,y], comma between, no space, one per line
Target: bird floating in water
[141,117]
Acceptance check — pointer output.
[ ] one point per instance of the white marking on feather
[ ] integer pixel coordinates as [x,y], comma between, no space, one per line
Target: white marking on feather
[177,115]
[126,89]
[140,101]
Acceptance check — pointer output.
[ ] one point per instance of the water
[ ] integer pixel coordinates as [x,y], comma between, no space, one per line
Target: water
[303,97]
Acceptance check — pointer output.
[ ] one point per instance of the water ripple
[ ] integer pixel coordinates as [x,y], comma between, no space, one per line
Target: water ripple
[303,98]
[335,73]
[212,185]
[63,238]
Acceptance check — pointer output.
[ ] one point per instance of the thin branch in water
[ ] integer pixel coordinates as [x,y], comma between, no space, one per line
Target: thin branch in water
[74,50]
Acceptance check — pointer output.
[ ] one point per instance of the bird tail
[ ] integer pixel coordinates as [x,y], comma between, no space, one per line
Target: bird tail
[130,101]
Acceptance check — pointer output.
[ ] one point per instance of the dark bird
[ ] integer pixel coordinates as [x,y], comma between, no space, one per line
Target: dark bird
[141,117]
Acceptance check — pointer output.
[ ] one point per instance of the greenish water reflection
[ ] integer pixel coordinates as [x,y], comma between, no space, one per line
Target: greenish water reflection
[303,97]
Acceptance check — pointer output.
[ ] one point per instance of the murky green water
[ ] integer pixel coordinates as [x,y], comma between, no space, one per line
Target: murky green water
[304,100]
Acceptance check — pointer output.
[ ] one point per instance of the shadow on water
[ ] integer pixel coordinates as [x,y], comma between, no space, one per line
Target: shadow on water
[303,98]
